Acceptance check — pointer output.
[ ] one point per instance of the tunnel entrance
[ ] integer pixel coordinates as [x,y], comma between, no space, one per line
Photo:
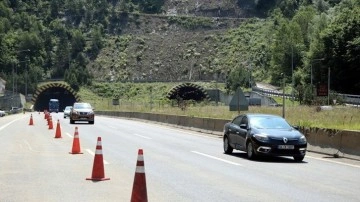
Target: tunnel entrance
[188,91]
[63,92]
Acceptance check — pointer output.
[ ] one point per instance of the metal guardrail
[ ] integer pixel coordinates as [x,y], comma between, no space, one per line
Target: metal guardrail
[347,98]
[271,92]
[350,99]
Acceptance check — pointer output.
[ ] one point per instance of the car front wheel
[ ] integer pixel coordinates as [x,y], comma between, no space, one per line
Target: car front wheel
[250,150]
[227,148]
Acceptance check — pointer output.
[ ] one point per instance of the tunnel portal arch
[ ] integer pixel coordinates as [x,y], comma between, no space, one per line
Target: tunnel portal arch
[188,91]
[55,90]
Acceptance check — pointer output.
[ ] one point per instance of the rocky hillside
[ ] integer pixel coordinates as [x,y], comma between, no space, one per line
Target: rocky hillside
[161,48]
[178,45]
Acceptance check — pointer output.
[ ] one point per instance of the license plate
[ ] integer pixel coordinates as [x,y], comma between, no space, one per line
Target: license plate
[285,146]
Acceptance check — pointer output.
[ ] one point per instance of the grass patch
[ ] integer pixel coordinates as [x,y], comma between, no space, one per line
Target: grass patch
[138,98]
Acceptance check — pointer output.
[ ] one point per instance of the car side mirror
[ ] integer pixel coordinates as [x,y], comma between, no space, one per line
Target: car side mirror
[296,127]
[243,126]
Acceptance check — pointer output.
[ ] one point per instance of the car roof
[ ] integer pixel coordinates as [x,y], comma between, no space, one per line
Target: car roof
[261,115]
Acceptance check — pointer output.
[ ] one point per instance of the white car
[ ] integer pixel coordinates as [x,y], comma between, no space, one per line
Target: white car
[67,111]
[2,113]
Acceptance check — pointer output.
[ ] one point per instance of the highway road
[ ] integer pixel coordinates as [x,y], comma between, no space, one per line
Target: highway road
[180,165]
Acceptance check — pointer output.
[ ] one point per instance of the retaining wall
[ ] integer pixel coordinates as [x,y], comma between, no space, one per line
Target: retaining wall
[339,143]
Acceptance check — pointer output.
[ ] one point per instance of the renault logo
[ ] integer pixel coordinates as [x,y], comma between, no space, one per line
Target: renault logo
[285,140]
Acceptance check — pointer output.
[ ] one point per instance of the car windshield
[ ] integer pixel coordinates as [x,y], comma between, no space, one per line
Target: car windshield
[269,122]
[82,106]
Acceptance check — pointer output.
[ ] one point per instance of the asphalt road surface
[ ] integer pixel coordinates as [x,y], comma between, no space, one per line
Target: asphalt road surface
[180,165]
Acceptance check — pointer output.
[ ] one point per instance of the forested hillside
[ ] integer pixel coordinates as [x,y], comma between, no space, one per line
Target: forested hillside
[234,41]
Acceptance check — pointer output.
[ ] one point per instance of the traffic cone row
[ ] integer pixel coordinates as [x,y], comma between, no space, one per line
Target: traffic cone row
[58,130]
[76,143]
[139,190]
[50,123]
[31,122]
[98,173]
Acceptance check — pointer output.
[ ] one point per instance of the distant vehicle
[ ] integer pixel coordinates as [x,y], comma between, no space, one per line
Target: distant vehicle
[263,134]
[15,110]
[67,111]
[2,113]
[82,111]
[54,105]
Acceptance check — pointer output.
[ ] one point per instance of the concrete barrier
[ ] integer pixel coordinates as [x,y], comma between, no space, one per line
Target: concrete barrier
[338,143]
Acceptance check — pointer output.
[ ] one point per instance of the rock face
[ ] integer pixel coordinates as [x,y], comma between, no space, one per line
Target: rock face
[177,45]
[217,8]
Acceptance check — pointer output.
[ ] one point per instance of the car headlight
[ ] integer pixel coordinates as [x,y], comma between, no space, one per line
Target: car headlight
[75,112]
[261,137]
[302,139]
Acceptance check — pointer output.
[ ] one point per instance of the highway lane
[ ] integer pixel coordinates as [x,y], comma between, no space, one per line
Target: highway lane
[180,165]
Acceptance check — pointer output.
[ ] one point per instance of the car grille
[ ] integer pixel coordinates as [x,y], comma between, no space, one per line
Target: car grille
[83,113]
[281,141]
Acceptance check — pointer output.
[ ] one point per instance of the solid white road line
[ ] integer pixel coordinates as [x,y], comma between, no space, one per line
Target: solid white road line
[68,134]
[331,161]
[93,154]
[6,125]
[145,137]
[216,158]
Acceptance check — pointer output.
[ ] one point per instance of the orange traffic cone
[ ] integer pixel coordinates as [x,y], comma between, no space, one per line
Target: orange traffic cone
[76,143]
[98,173]
[139,192]
[31,122]
[48,117]
[50,123]
[58,130]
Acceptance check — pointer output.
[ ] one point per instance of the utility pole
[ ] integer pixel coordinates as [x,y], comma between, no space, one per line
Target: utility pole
[26,79]
[311,69]
[283,86]
[13,79]
[292,74]
[328,85]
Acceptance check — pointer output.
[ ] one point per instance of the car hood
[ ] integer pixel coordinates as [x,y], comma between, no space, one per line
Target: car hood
[279,133]
[83,110]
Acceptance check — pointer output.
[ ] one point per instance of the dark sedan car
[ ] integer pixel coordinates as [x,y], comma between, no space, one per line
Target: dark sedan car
[264,134]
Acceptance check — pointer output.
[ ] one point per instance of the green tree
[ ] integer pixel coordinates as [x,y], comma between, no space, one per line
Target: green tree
[238,78]
[96,42]
[150,6]
[77,42]
[341,47]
